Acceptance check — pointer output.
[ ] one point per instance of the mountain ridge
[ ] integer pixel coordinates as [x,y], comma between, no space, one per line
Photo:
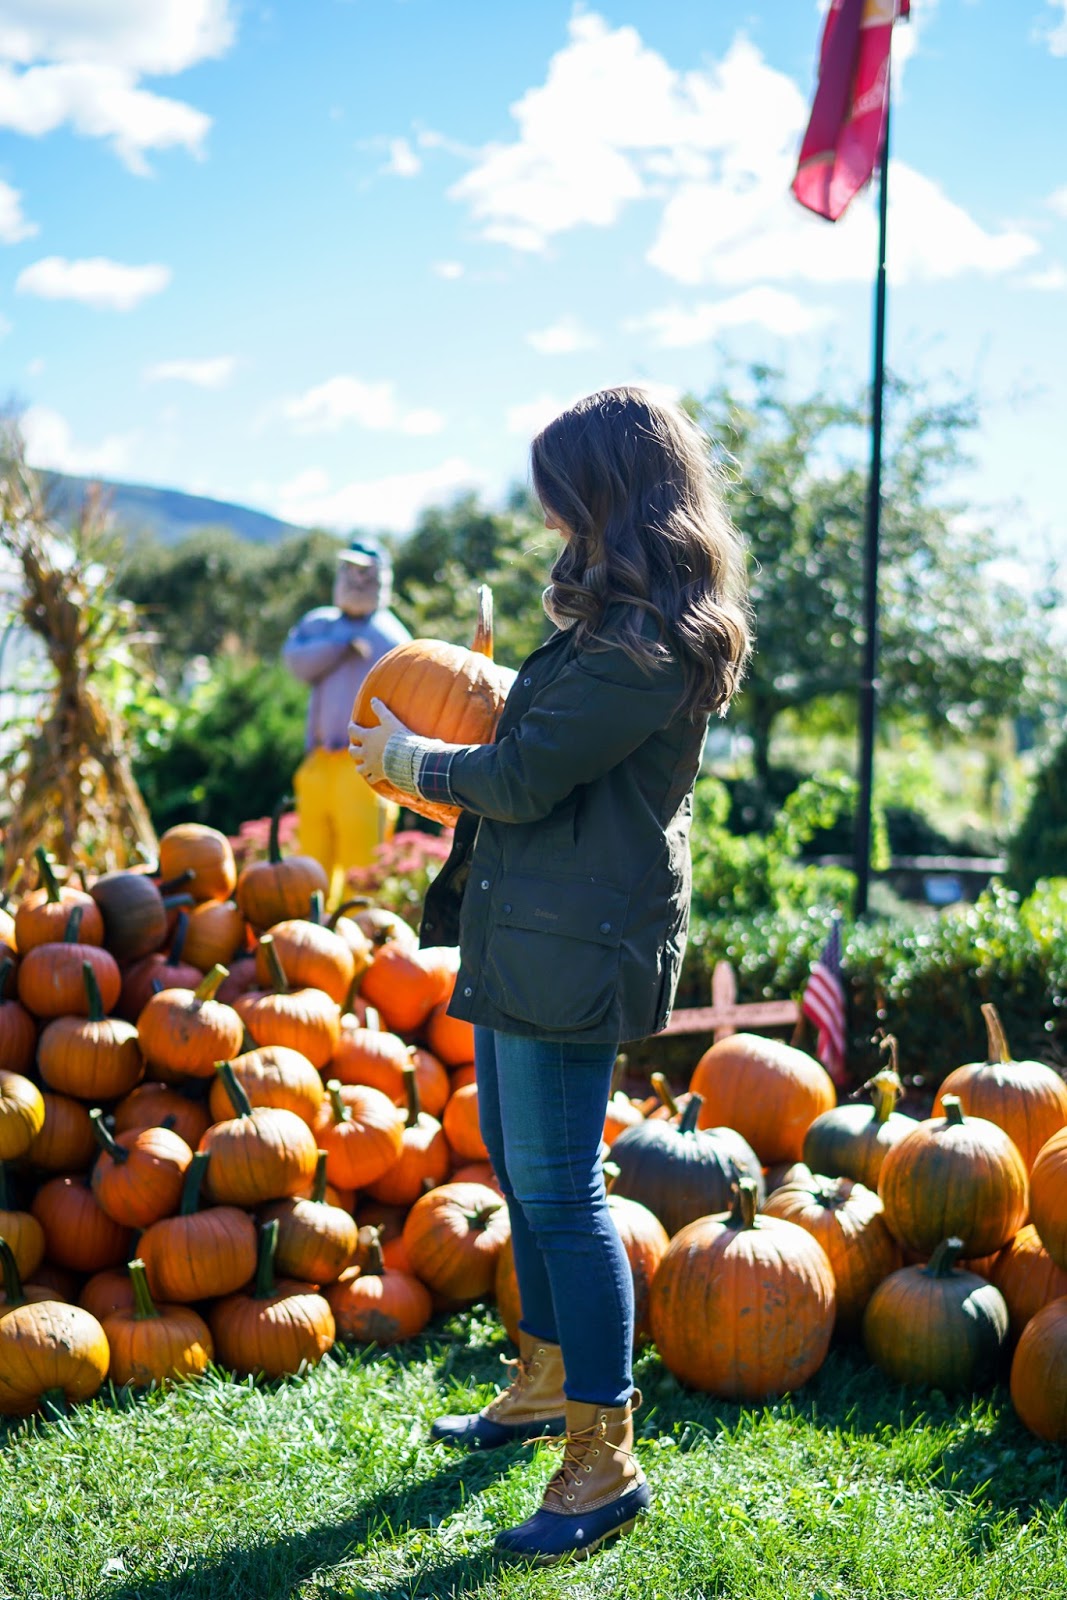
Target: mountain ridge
[165,514]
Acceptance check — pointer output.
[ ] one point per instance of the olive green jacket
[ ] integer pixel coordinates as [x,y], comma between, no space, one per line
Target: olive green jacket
[570,869]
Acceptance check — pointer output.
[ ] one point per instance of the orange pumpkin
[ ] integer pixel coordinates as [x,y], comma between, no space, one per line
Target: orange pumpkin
[372,1057]
[441,691]
[197,1255]
[154,1105]
[766,1091]
[65,1142]
[45,1347]
[954,1177]
[311,957]
[1039,1373]
[277,1327]
[21,1114]
[375,1304]
[190,846]
[300,1019]
[94,1057]
[621,1114]
[138,1177]
[52,977]
[433,1080]
[462,1128]
[277,889]
[258,1154]
[453,1236]
[153,1344]
[43,915]
[18,1030]
[273,1076]
[215,935]
[362,1132]
[107,1291]
[848,1221]
[1025,1098]
[316,1240]
[450,1038]
[405,985]
[78,1233]
[424,1154]
[22,1231]
[1048,1196]
[742,1305]
[184,1033]
[1026,1276]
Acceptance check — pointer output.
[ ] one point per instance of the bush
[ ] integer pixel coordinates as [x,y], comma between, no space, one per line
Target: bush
[1039,848]
[232,752]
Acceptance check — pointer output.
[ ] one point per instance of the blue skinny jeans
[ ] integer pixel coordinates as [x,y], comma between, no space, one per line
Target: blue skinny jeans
[541,1105]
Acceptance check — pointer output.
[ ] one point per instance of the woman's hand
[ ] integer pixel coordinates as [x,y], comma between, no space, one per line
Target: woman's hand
[366,746]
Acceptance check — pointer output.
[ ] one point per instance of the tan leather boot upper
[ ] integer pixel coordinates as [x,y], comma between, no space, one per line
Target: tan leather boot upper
[535,1393]
[598,1463]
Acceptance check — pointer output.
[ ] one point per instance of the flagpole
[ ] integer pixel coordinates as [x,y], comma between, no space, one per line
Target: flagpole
[868,687]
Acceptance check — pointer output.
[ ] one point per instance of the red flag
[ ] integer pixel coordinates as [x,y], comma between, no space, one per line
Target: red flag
[846,131]
[823,1003]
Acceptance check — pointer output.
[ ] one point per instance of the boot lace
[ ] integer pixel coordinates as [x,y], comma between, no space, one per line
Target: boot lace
[580,1450]
[520,1378]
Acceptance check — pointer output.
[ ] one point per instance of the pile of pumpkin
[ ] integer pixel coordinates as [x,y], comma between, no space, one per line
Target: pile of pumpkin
[233,1132]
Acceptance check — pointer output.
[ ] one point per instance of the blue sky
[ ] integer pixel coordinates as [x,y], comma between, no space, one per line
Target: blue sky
[339,258]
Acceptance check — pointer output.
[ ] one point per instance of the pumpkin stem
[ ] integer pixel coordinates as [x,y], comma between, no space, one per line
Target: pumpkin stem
[482,643]
[360,903]
[997,1045]
[663,1089]
[194,1177]
[105,1138]
[318,1183]
[886,1090]
[13,1295]
[411,1089]
[746,1204]
[144,1307]
[174,885]
[944,1258]
[953,1109]
[172,900]
[374,1264]
[274,851]
[341,1112]
[618,1072]
[268,1243]
[74,925]
[177,944]
[92,991]
[480,1218]
[690,1114]
[48,877]
[315,910]
[235,1092]
[274,961]
[211,982]
[888,1047]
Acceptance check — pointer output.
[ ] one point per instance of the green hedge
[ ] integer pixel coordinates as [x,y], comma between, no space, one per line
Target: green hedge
[923,980]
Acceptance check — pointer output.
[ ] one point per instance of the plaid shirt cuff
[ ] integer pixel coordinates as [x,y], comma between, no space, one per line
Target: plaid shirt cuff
[420,766]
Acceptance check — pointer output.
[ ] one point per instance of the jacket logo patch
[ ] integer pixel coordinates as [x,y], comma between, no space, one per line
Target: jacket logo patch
[549,916]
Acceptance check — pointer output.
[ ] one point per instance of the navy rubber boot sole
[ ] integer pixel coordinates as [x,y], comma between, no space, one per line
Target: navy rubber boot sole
[482,1433]
[551,1536]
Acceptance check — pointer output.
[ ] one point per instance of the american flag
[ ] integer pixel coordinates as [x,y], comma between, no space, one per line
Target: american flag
[823,1004]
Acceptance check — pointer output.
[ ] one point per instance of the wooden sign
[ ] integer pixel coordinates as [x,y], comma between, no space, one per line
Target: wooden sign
[724,1016]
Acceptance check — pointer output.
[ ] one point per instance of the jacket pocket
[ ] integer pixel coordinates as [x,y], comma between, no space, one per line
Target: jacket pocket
[552,952]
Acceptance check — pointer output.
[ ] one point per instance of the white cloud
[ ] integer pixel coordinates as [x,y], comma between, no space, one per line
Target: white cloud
[391,503]
[716,150]
[1052,278]
[1057,201]
[528,417]
[448,269]
[1055,34]
[50,444]
[95,282]
[13,225]
[212,373]
[561,338]
[344,399]
[5,326]
[403,162]
[81,64]
[674,327]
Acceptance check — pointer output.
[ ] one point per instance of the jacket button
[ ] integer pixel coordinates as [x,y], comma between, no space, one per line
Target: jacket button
[605,927]
[485,883]
[507,911]
[526,682]
[468,991]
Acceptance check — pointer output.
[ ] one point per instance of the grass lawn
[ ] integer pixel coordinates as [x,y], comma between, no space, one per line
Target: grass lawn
[328,1487]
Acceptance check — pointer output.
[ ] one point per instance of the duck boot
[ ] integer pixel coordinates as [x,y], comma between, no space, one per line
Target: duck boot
[530,1407]
[598,1490]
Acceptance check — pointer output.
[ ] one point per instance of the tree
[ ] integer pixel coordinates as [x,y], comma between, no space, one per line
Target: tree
[959,647]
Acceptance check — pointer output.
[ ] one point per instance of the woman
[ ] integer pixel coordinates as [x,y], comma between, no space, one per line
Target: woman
[570,874]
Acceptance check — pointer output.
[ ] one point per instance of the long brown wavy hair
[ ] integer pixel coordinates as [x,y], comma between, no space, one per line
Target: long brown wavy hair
[633,483]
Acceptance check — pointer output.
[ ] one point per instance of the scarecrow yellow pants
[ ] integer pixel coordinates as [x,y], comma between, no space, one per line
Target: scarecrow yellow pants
[340,819]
